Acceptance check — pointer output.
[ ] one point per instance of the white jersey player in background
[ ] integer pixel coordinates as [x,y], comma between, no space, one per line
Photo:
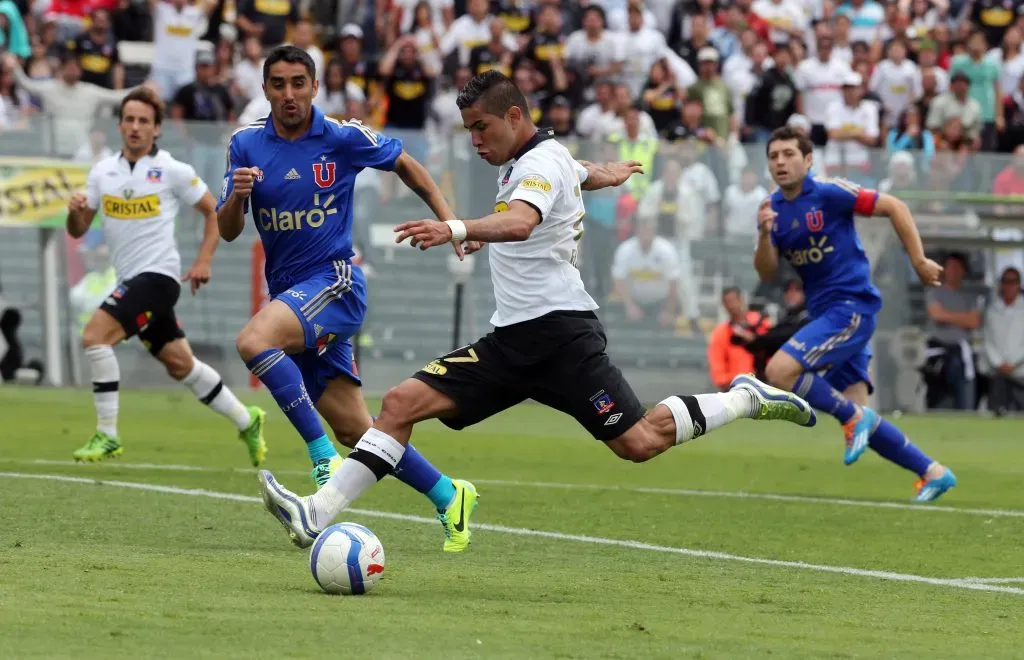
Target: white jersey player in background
[137,194]
[548,345]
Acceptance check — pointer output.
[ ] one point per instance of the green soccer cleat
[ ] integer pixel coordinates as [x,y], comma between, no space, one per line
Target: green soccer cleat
[773,403]
[455,519]
[252,436]
[98,447]
[323,470]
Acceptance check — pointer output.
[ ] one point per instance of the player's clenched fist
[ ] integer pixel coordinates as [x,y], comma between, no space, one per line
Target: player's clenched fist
[765,217]
[78,203]
[242,180]
[929,272]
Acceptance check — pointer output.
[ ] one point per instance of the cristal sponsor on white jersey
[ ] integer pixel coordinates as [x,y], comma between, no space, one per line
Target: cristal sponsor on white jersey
[138,206]
[540,275]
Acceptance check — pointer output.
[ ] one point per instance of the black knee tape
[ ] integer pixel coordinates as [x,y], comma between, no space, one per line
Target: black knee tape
[380,467]
[208,399]
[110,386]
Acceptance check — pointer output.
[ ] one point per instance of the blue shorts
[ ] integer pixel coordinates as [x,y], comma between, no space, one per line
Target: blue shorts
[331,307]
[836,346]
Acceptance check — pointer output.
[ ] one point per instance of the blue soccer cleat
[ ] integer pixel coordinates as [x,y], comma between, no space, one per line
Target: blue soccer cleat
[929,491]
[858,430]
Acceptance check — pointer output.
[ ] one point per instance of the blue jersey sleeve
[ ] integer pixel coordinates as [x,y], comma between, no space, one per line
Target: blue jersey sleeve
[845,198]
[366,148]
[235,160]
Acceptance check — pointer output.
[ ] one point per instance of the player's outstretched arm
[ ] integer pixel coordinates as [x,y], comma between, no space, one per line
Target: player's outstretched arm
[417,179]
[609,174]
[902,219]
[508,226]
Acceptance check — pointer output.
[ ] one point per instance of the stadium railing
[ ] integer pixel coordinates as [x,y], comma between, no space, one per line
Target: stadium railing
[411,293]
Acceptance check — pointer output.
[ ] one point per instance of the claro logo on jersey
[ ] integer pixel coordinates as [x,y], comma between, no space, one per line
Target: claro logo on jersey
[126,208]
[274,219]
[812,255]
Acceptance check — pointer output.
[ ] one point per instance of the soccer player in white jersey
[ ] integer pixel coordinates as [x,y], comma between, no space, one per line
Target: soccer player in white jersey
[548,344]
[137,194]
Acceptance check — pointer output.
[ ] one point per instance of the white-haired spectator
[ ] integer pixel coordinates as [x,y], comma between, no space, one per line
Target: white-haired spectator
[902,173]
[1004,345]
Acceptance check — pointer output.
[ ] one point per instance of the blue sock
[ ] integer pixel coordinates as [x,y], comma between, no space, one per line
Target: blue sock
[892,445]
[416,471]
[284,380]
[824,397]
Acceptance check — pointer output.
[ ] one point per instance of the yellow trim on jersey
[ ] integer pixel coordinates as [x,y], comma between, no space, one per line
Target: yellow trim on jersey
[142,208]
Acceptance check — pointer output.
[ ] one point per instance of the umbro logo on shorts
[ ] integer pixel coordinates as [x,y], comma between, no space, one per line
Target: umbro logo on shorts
[613,419]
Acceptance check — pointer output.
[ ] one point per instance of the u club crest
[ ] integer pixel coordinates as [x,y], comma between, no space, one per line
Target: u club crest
[323,173]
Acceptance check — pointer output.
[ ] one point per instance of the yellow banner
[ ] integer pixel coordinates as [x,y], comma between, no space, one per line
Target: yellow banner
[34,192]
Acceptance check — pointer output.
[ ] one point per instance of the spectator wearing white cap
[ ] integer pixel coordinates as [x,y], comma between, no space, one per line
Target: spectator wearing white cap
[358,69]
[852,129]
[712,92]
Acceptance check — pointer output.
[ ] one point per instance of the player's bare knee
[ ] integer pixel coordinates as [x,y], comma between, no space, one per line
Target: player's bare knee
[398,408]
[250,342]
[178,366]
[639,444]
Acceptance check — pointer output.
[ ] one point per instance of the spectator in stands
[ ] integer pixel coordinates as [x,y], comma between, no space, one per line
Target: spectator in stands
[740,205]
[546,47]
[406,16]
[949,169]
[304,37]
[704,183]
[842,46]
[269,21]
[645,270]
[902,175]
[670,204]
[467,31]
[956,104]
[852,129]
[953,314]
[224,62]
[597,120]
[663,97]
[14,37]
[642,47]
[94,149]
[927,58]
[713,95]
[1013,111]
[176,32]
[15,102]
[594,52]
[787,18]
[408,83]
[203,99]
[97,53]
[497,53]
[69,101]
[896,80]
[983,74]
[774,99]
[445,118]
[248,71]
[559,118]
[427,34]
[1010,59]
[359,69]
[39,65]
[634,145]
[820,83]
[1004,345]
[909,135]
[764,342]
[727,355]
[866,17]
[335,92]
[700,37]
[132,20]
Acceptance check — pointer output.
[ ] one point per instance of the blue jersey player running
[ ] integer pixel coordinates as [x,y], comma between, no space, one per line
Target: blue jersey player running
[810,223]
[295,171]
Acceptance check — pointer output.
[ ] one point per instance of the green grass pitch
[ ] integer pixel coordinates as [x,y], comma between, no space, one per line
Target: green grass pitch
[658,560]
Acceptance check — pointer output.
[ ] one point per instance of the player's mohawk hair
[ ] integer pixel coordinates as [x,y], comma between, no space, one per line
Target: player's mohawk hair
[495,92]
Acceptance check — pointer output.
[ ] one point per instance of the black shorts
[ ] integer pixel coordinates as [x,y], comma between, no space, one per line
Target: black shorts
[558,360]
[144,306]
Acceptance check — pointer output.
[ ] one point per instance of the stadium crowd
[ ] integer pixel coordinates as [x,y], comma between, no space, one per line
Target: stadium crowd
[896,95]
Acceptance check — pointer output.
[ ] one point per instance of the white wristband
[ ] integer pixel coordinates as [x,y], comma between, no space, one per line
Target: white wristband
[458,228]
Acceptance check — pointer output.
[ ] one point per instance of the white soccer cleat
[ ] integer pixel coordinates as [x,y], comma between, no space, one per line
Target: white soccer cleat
[773,403]
[292,511]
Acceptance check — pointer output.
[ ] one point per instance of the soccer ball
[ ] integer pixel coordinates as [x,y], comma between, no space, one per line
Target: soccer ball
[346,559]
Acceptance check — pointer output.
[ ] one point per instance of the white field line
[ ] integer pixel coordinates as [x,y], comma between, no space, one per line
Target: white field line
[1002,580]
[680,492]
[559,536]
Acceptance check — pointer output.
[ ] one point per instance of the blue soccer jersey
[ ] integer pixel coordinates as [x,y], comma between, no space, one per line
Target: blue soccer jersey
[816,233]
[302,198]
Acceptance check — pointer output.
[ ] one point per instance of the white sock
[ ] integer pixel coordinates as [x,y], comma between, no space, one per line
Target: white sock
[106,377]
[696,415]
[208,387]
[374,457]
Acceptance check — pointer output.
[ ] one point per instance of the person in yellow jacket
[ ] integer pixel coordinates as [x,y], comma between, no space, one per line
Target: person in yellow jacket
[99,281]
[632,146]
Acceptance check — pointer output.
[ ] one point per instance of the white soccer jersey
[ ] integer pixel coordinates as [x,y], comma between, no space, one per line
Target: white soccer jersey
[540,275]
[175,35]
[138,207]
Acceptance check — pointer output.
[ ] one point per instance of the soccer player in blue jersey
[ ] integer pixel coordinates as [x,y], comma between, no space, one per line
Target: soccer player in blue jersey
[295,170]
[810,222]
